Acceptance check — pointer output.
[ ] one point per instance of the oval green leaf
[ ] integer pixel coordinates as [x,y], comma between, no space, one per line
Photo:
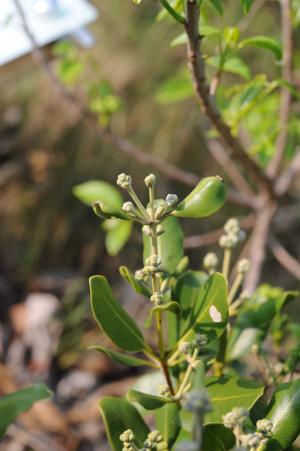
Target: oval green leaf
[229,392]
[217,437]
[284,412]
[119,415]
[264,42]
[138,287]
[98,190]
[170,245]
[12,405]
[112,318]
[168,422]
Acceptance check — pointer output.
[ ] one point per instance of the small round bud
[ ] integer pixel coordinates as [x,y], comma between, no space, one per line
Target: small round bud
[124,181]
[150,180]
[250,440]
[164,390]
[141,275]
[172,200]
[264,426]
[156,298]
[128,207]
[185,347]
[127,436]
[160,211]
[232,226]
[162,446]
[155,436]
[197,401]
[210,261]
[146,230]
[243,266]
[236,417]
[228,241]
[200,340]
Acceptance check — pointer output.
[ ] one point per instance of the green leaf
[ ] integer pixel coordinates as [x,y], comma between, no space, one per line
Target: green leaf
[264,42]
[234,65]
[106,211]
[98,190]
[117,237]
[170,244]
[138,287]
[121,358]
[186,293]
[217,437]
[168,422]
[211,312]
[112,318]
[284,412]
[218,5]
[119,415]
[175,89]
[246,5]
[149,402]
[168,307]
[12,405]
[229,392]
[205,199]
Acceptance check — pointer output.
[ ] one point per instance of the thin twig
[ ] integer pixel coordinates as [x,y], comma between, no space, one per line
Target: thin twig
[285,101]
[246,21]
[283,257]
[258,244]
[230,168]
[121,143]
[285,180]
[197,67]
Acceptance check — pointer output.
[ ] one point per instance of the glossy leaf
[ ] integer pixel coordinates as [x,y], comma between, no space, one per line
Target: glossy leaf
[205,199]
[112,318]
[246,5]
[170,244]
[186,293]
[217,437]
[118,236]
[168,422]
[218,5]
[284,412]
[172,307]
[264,42]
[12,405]
[210,315]
[138,287]
[119,415]
[233,65]
[229,392]
[98,190]
[123,359]
[149,402]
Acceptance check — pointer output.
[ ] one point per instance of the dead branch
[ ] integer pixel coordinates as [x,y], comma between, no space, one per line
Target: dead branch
[283,257]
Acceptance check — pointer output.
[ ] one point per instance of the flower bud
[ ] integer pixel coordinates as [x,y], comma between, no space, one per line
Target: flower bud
[210,261]
[172,200]
[236,417]
[150,180]
[243,266]
[232,226]
[124,181]
[250,440]
[128,207]
[156,298]
[164,390]
[127,436]
[265,427]
[146,230]
[184,347]
[200,340]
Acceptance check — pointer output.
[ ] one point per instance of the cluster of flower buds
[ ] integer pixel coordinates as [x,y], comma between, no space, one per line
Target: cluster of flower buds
[233,234]
[264,429]
[197,401]
[235,418]
[152,267]
[124,181]
[243,266]
[128,207]
[250,441]
[164,390]
[156,298]
[210,262]
[127,438]
[155,441]
[187,347]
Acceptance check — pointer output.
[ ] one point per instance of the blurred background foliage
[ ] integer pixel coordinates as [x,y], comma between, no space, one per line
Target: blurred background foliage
[138,84]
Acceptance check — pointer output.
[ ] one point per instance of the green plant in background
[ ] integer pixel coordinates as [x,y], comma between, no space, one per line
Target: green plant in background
[202,392]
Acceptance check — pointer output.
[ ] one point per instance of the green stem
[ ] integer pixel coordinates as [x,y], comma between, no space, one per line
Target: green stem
[226,262]
[138,203]
[221,357]
[178,17]
[187,375]
[234,289]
